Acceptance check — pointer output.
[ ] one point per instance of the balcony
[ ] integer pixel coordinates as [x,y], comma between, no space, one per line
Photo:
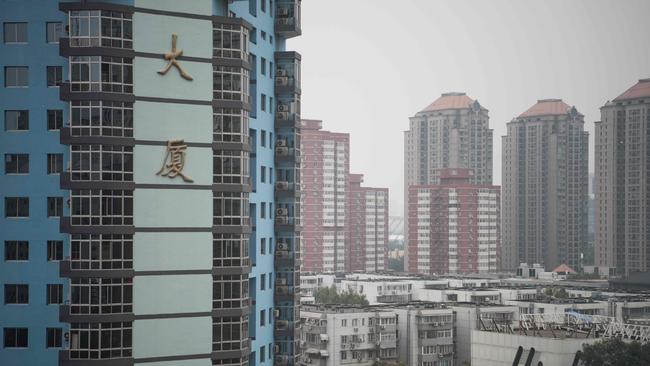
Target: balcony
[287,189]
[67,270]
[287,73]
[287,18]
[287,112]
[287,223]
[286,328]
[284,153]
[285,259]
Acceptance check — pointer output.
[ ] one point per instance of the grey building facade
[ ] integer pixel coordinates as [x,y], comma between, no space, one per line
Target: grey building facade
[545,187]
[622,161]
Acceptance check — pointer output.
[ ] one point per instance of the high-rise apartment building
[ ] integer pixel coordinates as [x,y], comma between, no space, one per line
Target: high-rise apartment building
[544,187]
[454,225]
[368,223]
[150,211]
[622,187]
[452,132]
[325,187]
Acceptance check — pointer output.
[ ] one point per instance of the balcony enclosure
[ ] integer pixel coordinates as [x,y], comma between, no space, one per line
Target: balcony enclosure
[287,71]
[231,167]
[101,118]
[287,18]
[230,125]
[95,28]
[106,251]
[230,41]
[287,111]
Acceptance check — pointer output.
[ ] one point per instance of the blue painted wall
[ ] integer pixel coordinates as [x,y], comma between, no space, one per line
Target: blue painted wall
[264,192]
[37,185]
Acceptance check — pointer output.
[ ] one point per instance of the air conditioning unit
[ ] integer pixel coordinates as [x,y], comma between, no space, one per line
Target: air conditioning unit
[281,72]
[281,80]
[280,281]
[282,11]
[282,220]
[382,327]
[282,150]
[282,185]
[283,107]
[308,360]
[303,344]
[276,348]
[283,246]
[281,143]
[353,346]
[276,313]
[281,324]
[356,330]
[281,211]
[282,115]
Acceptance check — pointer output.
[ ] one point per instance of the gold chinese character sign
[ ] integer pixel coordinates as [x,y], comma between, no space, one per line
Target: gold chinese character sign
[171,57]
[174,161]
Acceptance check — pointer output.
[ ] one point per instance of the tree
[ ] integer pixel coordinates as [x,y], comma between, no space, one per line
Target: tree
[559,293]
[329,295]
[615,352]
[396,264]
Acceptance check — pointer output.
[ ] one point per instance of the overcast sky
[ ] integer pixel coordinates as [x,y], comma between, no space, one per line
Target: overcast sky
[368,65]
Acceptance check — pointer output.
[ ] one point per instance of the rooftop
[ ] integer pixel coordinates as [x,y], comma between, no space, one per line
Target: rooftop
[639,90]
[451,101]
[547,107]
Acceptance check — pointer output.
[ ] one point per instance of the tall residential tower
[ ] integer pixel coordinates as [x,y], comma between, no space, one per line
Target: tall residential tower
[622,212]
[150,182]
[452,132]
[325,186]
[544,187]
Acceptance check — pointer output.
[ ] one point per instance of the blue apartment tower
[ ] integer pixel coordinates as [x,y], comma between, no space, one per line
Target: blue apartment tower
[150,185]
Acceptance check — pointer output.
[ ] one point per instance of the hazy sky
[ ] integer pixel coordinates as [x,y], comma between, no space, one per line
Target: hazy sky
[368,65]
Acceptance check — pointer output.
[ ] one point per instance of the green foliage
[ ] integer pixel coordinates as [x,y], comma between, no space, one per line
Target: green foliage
[558,293]
[329,295]
[615,352]
[396,265]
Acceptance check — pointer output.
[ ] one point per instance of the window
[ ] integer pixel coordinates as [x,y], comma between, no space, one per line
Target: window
[263,245]
[107,251]
[54,294]
[54,76]
[231,167]
[54,163]
[270,286]
[101,73]
[54,206]
[263,33]
[101,162]
[252,7]
[101,340]
[263,348]
[15,337]
[231,208]
[101,207]
[16,77]
[54,119]
[15,32]
[262,318]
[230,125]
[263,210]
[16,163]
[16,250]
[101,118]
[16,294]
[100,28]
[54,31]
[263,138]
[230,41]
[263,7]
[16,207]
[16,120]
[230,83]
[263,102]
[263,282]
[53,339]
[54,250]
[263,61]
[230,250]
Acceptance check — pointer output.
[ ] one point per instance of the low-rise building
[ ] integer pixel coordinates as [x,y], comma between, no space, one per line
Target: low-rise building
[470,317]
[334,335]
[426,334]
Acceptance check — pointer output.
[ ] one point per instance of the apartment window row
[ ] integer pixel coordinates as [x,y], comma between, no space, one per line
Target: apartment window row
[101,162]
[101,73]
[18,76]
[230,41]
[231,208]
[229,333]
[19,337]
[231,167]
[18,207]
[230,291]
[231,250]
[101,340]
[18,120]
[231,83]
[107,251]
[18,250]
[103,28]
[101,295]
[230,125]
[19,163]
[101,118]
[18,294]
[18,32]
[101,207]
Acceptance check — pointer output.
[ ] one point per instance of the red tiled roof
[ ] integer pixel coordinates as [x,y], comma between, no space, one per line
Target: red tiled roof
[449,101]
[639,90]
[547,107]
[563,268]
